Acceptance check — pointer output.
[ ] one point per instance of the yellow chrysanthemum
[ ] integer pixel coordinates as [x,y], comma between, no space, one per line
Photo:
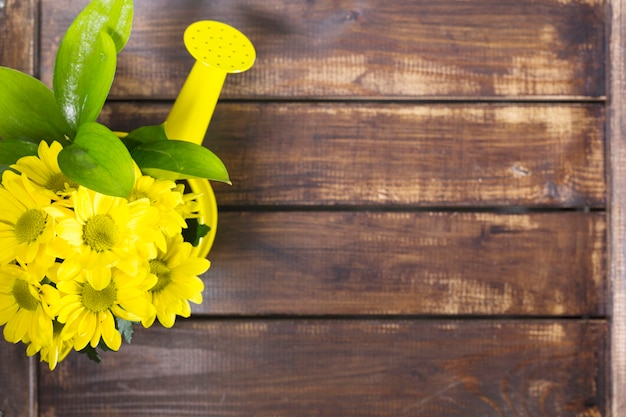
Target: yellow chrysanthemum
[56,351]
[25,227]
[44,170]
[89,314]
[27,307]
[163,195]
[105,232]
[178,282]
[190,208]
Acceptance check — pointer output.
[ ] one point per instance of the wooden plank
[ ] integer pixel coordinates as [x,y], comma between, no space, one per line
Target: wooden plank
[617,208]
[347,368]
[18,386]
[373,48]
[18,395]
[17,34]
[407,263]
[364,154]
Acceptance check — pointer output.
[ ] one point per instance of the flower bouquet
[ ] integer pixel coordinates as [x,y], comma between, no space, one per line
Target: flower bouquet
[96,228]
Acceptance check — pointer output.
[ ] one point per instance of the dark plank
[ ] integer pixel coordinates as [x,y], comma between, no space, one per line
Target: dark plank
[18,385]
[617,208]
[341,368]
[401,154]
[373,48]
[17,34]
[407,263]
[17,45]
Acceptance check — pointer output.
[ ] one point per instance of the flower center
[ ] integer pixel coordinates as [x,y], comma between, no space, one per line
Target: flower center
[23,297]
[30,225]
[162,272]
[97,301]
[100,233]
[57,182]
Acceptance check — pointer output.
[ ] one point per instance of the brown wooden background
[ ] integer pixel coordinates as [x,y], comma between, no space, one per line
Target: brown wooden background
[425,217]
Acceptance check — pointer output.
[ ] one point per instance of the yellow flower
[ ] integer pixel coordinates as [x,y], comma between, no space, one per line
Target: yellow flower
[56,351]
[89,314]
[178,282]
[189,209]
[44,170]
[25,227]
[163,195]
[103,232]
[27,307]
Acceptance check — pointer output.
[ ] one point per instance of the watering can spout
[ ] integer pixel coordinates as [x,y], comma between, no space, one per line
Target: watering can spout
[219,49]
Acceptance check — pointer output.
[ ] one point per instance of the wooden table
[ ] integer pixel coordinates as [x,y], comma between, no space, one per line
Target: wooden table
[426,217]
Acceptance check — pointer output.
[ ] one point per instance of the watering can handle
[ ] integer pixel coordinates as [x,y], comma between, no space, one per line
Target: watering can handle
[219,49]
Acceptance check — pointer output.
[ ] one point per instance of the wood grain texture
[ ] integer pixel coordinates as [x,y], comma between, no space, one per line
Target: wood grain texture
[344,368]
[407,263]
[401,154]
[18,395]
[370,48]
[326,214]
[617,208]
[18,385]
[17,35]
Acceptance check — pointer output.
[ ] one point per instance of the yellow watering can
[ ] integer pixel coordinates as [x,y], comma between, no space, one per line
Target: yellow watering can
[219,49]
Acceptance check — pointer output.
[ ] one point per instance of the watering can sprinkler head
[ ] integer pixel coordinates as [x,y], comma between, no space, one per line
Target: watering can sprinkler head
[219,45]
[219,49]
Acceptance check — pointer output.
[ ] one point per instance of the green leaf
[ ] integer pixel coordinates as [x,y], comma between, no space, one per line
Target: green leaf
[86,59]
[102,345]
[28,111]
[126,329]
[175,159]
[12,150]
[145,134]
[202,231]
[120,13]
[91,353]
[195,231]
[98,160]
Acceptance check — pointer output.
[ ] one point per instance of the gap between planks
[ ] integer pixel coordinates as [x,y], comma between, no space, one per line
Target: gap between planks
[533,100]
